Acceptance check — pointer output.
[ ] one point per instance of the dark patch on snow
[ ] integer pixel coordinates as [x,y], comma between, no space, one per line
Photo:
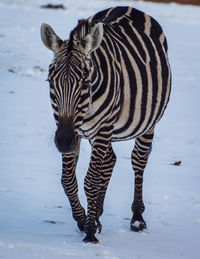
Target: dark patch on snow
[11,70]
[53,6]
[177,163]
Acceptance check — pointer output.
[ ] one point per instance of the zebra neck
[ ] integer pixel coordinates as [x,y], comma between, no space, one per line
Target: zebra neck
[95,77]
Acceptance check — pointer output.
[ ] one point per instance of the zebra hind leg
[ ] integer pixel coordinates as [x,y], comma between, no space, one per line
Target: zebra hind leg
[93,183]
[106,172]
[139,159]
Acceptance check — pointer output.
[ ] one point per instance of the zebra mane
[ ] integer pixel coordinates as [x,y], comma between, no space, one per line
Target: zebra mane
[78,33]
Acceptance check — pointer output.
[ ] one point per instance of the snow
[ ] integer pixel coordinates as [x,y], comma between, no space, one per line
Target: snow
[35,216]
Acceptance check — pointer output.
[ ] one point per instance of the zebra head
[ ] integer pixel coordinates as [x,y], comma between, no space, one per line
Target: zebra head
[70,79]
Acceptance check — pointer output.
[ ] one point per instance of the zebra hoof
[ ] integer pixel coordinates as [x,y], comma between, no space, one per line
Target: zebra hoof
[90,239]
[138,224]
[99,226]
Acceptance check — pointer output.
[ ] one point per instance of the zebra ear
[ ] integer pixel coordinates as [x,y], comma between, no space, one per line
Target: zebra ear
[50,38]
[93,38]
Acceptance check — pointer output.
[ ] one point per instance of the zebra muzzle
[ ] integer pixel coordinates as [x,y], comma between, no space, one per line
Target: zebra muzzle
[65,139]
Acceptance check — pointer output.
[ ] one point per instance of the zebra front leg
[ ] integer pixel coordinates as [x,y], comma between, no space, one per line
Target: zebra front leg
[70,185]
[92,185]
[106,172]
[139,159]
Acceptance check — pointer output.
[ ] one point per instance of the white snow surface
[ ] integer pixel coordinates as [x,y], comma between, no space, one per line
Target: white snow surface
[31,195]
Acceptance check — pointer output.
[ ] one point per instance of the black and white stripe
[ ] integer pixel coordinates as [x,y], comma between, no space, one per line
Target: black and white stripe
[133,60]
[109,82]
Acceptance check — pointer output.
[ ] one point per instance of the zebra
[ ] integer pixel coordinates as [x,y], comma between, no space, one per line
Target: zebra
[109,82]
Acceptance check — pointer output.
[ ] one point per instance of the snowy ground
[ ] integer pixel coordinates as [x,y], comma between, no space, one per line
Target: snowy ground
[31,196]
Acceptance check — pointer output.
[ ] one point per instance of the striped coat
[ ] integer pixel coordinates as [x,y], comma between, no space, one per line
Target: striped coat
[133,60]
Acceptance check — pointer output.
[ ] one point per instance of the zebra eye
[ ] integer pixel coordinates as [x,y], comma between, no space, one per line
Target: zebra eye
[52,91]
[85,72]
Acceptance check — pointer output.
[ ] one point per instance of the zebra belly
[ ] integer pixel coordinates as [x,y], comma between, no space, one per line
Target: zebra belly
[127,127]
[123,132]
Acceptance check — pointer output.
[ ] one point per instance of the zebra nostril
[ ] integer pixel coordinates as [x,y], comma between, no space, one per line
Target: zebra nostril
[58,140]
[73,142]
